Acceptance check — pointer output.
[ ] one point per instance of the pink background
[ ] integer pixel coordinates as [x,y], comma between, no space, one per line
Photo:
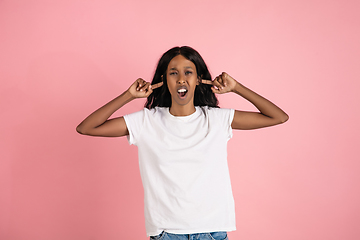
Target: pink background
[60,60]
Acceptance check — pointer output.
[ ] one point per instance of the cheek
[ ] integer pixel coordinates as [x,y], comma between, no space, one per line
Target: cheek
[170,87]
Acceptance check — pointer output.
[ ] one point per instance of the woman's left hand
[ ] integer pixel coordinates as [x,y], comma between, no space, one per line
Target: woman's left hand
[223,83]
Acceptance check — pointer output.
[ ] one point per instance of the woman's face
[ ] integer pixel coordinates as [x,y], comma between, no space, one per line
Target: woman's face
[182,79]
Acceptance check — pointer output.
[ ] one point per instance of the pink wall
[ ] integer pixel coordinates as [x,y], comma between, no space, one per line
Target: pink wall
[60,60]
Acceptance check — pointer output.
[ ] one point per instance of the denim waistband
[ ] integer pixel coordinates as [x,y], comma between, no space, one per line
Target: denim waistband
[196,236]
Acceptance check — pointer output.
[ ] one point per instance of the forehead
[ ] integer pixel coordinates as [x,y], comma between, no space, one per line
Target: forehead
[180,62]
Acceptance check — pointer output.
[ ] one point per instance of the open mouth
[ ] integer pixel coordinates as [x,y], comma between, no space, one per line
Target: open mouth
[182,92]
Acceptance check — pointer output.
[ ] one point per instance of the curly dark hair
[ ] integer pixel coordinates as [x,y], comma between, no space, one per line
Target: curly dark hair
[161,97]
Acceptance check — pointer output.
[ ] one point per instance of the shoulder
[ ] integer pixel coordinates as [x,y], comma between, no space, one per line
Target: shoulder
[148,113]
[217,111]
[219,114]
[157,111]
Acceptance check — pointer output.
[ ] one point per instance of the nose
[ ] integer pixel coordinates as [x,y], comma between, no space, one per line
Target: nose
[181,79]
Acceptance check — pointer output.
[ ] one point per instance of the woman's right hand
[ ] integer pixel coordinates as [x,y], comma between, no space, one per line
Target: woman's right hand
[140,89]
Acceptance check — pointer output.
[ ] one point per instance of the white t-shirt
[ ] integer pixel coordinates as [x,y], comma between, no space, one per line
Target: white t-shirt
[184,170]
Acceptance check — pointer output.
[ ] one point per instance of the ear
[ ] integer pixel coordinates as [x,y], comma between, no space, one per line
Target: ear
[199,80]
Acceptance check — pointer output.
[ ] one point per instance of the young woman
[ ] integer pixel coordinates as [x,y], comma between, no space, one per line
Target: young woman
[182,138]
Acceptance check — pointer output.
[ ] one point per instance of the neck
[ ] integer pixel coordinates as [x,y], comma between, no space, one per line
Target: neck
[182,110]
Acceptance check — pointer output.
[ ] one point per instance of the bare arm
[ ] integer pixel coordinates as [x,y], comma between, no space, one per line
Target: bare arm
[269,114]
[99,124]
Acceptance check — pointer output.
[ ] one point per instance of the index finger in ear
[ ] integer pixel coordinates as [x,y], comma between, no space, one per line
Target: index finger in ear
[207,82]
[156,85]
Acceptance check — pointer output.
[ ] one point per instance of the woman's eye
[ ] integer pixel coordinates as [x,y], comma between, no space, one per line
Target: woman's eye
[173,73]
[188,72]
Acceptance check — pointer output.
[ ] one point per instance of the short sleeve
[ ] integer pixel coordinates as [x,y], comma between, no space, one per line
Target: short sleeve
[228,119]
[134,123]
[224,117]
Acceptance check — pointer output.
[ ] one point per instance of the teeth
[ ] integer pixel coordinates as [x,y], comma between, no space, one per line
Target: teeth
[181,90]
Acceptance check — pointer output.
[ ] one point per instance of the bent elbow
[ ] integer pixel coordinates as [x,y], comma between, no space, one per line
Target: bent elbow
[284,118]
[80,130]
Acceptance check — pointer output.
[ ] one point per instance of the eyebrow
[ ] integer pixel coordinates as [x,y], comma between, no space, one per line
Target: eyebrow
[176,68]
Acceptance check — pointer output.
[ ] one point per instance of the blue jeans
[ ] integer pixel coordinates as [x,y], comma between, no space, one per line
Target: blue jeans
[196,236]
